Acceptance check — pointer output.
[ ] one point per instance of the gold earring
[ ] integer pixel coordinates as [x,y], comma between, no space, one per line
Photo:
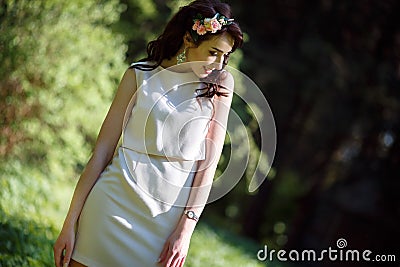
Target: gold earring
[180,58]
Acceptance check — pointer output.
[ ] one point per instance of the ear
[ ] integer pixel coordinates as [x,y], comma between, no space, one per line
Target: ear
[188,40]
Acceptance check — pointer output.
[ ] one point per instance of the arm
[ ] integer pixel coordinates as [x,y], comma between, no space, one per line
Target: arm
[177,245]
[206,168]
[103,152]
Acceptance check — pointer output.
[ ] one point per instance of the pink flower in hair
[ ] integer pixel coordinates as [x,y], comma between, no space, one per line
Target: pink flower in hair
[202,26]
[196,25]
[212,25]
[201,30]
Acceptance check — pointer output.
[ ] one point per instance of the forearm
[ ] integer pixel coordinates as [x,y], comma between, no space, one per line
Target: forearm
[201,186]
[206,168]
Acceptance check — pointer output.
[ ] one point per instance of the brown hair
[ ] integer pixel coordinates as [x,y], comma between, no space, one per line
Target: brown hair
[170,41]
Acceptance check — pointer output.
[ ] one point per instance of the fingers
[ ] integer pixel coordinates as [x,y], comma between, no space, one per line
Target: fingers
[182,261]
[62,254]
[68,254]
[177,261]
[58,250]
[170,258]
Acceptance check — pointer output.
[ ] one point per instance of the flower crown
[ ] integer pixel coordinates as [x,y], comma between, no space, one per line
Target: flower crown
[202,26]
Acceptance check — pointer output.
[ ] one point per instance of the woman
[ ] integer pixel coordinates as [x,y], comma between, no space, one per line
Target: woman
[137,204]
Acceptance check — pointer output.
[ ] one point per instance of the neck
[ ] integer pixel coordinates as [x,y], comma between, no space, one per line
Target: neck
[166,63]
[173,60]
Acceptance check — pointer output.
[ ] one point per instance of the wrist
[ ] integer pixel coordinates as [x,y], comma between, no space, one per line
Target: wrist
[69,223]
[186,225]
[190,214]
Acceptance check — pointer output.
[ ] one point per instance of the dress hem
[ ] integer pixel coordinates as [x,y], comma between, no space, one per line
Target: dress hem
[84,260]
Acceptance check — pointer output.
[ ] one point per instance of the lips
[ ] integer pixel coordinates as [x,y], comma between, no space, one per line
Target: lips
[207,71]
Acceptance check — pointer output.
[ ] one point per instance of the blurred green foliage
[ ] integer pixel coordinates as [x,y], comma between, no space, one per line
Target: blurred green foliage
[59,66]
[25,243]
[62,62]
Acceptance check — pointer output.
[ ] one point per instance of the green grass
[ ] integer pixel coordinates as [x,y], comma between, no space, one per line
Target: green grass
[214,247]
[25,243]
[32,210]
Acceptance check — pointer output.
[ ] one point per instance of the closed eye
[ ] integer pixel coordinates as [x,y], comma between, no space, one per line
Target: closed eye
[214,53]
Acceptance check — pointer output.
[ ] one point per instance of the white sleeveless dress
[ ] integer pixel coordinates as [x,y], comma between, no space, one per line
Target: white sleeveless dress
[139,198]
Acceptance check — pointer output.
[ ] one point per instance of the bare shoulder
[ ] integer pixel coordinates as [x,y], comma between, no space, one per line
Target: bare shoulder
[226,83]
[129,78]
[131,72]
[226,79]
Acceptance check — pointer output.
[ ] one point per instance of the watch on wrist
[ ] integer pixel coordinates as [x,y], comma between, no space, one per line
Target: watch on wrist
[191,215]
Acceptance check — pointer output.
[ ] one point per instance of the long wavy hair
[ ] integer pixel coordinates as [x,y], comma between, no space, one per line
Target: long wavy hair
[170,41]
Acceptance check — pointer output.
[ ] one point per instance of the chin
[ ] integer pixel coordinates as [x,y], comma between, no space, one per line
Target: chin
[201,75]
[201,71]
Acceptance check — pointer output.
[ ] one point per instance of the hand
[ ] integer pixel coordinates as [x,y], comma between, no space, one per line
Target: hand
[63,247]
[175,249]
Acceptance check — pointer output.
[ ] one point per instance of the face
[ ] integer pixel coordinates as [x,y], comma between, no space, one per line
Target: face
[210,54]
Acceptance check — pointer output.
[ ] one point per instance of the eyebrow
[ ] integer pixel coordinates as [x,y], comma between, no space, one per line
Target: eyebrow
[219,50]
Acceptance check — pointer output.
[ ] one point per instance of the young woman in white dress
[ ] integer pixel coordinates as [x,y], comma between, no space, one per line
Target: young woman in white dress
[137,202]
